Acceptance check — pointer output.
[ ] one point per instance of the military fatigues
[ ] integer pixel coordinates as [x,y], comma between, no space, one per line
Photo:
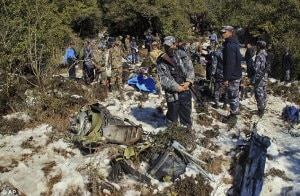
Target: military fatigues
[179,104]
[116,65]
[100,58]
[261,90]
[88,66]
[127,44]
[217,73]
[154,54]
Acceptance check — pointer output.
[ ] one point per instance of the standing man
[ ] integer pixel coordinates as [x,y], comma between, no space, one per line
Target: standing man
[261,77]
[134,51]
[148,42]
[127,44]
[176,73]
[287,63]
[88,67]
[115,59]
[217,76]
[70,59]
[232,71]
[154,54]
[213,38]
[249,54]
[157,39]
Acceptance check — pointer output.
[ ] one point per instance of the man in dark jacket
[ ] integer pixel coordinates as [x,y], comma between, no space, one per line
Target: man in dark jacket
[232,71]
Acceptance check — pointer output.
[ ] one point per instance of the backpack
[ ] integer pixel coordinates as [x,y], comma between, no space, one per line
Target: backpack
[291,113]
[95,125]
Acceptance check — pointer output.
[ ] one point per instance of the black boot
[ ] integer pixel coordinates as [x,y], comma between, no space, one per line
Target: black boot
[231,119]
[260,112]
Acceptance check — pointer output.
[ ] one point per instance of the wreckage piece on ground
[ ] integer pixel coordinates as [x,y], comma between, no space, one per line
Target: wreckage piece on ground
[95,125]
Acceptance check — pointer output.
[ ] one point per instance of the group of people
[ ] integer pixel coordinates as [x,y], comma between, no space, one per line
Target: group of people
[98,62]
[177,74]
[175,70]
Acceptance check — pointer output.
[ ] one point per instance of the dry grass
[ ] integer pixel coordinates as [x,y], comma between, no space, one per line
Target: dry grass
[276,172]
[11,126]
[213,163]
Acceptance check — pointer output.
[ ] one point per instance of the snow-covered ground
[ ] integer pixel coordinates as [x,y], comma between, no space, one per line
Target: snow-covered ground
[33,164]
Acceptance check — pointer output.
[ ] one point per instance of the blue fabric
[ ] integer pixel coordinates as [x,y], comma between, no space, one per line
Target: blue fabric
[254,171]
[130,57]
[291,113]
[143,84]
[70,54]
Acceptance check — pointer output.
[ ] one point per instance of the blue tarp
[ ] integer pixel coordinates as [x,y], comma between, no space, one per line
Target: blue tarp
[254,171]
[146,84]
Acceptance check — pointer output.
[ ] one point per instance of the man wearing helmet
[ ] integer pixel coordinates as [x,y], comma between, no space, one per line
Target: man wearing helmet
[176,73]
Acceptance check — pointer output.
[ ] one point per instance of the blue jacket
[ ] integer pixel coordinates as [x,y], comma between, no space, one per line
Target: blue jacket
[69,54]
[232,59]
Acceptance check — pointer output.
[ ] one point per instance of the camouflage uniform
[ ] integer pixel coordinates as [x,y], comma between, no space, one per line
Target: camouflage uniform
[100,58]
[261,90]
[127,44]
[179,104]
[154,54]
[116,64]
[217,73]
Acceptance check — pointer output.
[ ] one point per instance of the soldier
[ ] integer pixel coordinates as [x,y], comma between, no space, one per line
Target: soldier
[176,74]
[148,41]
[134,51]
[100,58]
[261,77]
[232,70]
[154,54]
[249,54]
[115,60]
[127,44]
[217,77]
[157,39]
[88,67]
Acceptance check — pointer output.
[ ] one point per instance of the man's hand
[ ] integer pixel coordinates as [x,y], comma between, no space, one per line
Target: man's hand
[183,87]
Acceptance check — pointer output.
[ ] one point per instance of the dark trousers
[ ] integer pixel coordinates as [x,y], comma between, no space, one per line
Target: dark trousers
[71,66]
[181,108]
[134,57]
[89,74]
